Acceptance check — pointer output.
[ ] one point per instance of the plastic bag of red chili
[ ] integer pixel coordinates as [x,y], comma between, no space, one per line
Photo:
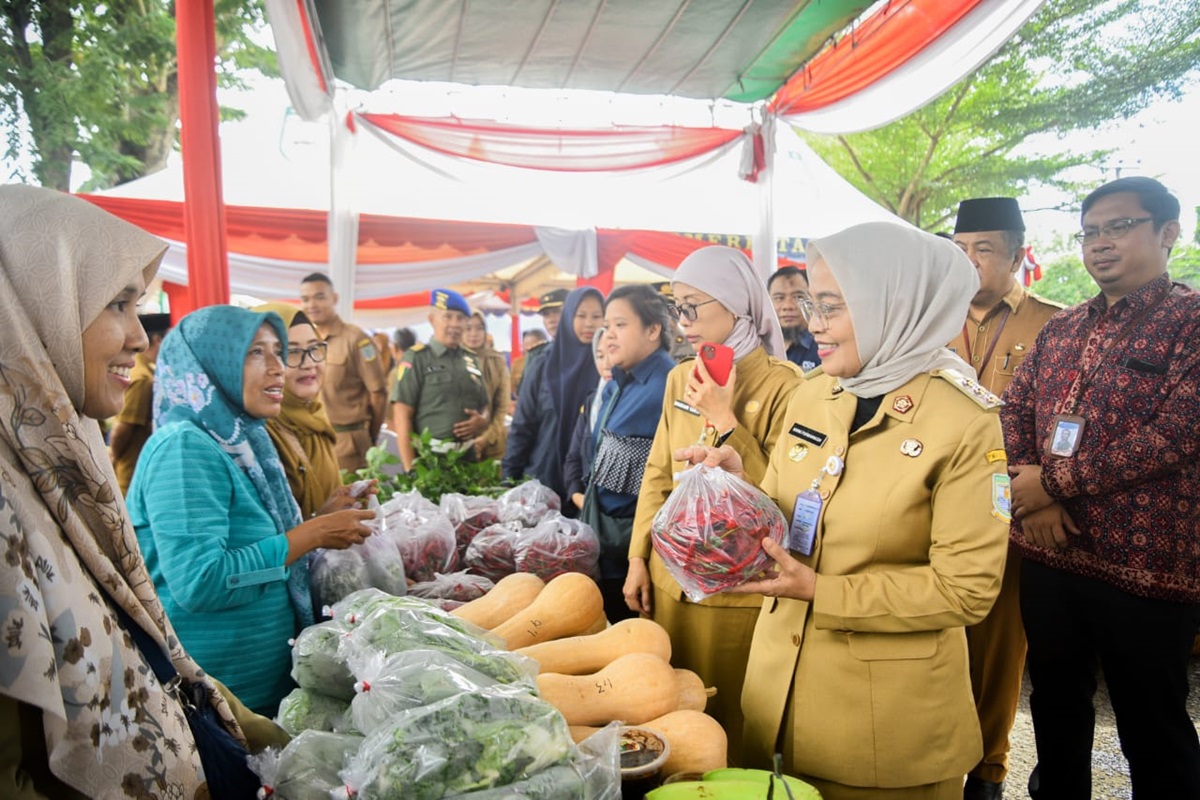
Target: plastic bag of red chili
[425,540]
[492,551]
[469,515]
[558,545]
[529,503]
[460,586]
[709,531]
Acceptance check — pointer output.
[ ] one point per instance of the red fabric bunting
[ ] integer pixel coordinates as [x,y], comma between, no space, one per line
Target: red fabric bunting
[564,150]
[876,47]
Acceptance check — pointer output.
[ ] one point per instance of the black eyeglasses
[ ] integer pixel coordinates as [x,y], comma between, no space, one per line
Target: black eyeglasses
[1113,229]
[687,310]
[316,354]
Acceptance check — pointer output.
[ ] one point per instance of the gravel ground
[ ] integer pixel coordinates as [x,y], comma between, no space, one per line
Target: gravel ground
[1110,772]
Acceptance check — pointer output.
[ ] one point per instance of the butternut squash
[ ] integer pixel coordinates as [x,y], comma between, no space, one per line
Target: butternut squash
[567,606]
[581,655]
[600,624]
[698,742]
[511,594]
[693,696]
[632,689]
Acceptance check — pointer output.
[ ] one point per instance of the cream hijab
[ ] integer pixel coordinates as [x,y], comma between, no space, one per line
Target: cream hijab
[71,551]
[907,293]
[727,275]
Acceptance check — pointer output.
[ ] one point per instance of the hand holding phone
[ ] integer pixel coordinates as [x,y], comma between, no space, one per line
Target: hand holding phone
[718,360]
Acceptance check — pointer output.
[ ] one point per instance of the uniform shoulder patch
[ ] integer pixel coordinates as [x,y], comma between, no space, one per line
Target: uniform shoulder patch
[418,347]
[1002,498]
[970,387]
[367,348]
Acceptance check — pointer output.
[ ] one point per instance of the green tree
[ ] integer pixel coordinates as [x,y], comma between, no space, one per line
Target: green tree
[98,83]
[1075,65]
[1065,280]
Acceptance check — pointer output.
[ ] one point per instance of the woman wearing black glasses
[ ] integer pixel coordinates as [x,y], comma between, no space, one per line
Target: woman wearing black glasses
[302,432]
[718,298]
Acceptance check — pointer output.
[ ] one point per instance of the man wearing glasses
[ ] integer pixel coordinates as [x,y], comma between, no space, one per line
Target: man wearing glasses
[1108,523]
[355,381]
[1002,323]
[440,386]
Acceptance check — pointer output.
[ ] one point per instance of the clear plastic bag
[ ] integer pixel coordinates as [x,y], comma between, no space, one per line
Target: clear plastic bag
[593,773]
[425,541]
[492,553]
[333,574]
[469,515]
[709,532]
[462,587]
[394,629]
[307,768]
[470,741]
[307,710]
[317,661]
[390,684]
[528,503]
[558,545]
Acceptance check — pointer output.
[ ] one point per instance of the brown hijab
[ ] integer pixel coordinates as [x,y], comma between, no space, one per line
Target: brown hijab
[304,437]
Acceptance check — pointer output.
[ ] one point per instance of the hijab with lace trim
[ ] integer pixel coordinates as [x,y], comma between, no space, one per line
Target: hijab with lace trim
[110,728]
[312,469]
[199,381]
[907,293]
[728,276]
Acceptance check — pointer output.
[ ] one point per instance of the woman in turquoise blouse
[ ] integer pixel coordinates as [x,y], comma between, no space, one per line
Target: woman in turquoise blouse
[215,518]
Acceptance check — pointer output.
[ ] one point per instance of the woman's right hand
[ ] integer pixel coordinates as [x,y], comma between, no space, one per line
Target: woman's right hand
[724,457]
[637,587]
[334,531]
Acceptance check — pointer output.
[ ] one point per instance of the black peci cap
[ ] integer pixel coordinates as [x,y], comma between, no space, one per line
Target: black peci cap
[989,214]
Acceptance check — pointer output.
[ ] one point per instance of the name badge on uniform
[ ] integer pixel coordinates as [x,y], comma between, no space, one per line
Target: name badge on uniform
[435,368]
[1066,431]
[808,434]
[682,406]
[803,532]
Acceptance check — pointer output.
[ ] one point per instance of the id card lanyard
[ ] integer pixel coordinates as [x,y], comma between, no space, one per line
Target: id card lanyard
[803,532]
[1066,430]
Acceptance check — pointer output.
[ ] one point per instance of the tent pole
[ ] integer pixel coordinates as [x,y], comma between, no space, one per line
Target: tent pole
[199,114]
[343,208]
[765,248]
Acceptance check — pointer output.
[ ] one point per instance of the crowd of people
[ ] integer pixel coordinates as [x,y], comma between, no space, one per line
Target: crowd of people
[975,480]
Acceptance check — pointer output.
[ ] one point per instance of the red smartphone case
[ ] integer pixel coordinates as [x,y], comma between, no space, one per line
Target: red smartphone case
[718,360]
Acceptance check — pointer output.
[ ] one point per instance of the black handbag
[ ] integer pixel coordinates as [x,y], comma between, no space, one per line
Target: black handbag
[222,756]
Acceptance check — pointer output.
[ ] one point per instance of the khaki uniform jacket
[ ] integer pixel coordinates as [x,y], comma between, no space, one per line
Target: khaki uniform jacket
[137,411]
[1027,313]
[495,378]
[764,384]
[353,371]
[910,547]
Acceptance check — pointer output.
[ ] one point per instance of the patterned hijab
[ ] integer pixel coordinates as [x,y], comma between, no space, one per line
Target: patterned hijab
[70,549]
[727,275]
[199,382]
[907,293]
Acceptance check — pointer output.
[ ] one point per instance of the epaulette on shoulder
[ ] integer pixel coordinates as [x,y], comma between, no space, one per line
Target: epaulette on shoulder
[970,387]
[418,347]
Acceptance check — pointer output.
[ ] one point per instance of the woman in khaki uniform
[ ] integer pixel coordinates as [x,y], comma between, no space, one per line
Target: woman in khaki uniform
[490,443]
[893,474]
[719,298]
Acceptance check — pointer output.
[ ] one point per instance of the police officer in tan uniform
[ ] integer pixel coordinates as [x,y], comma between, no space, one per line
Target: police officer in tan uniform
[1001,325]
[355,381]
[441,387]
[134,424]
